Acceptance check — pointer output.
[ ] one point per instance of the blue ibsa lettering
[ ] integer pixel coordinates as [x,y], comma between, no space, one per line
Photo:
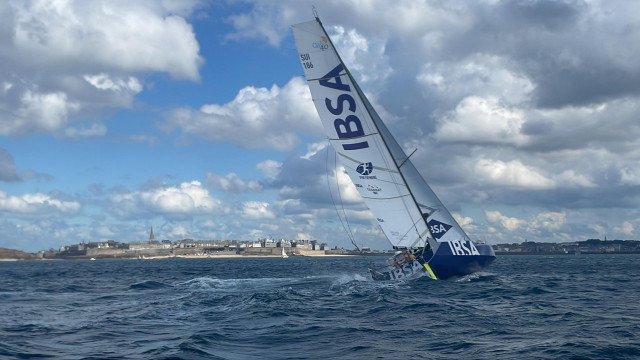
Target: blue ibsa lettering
[350,127]
[436,229]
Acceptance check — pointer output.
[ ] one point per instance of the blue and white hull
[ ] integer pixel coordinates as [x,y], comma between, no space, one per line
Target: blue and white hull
[445,264]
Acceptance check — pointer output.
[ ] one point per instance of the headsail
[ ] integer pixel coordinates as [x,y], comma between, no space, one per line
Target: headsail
[407,210]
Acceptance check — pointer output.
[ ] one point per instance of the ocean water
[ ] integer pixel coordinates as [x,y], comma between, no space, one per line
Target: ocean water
[525,307]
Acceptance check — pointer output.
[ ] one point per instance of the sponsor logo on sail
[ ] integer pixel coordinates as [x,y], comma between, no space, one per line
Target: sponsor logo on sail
[322,45]
[374,189]
[438,229]
[457,247]
[348,128]
[365,168]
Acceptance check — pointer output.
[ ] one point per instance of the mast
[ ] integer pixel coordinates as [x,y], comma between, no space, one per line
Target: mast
[368,108]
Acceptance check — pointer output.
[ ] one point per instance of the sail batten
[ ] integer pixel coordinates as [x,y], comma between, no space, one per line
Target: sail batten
[381,198]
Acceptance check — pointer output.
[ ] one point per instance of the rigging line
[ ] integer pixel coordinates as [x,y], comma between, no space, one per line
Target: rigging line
[420,238]
[407,159]
[335,206]
[348,226]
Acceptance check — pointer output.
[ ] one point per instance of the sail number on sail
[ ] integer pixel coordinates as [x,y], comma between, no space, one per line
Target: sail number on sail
[306,61]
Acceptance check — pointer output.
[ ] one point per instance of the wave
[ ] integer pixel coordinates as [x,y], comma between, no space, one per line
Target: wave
[149,285]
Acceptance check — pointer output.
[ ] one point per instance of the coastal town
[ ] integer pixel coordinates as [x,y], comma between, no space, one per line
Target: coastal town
[153,248]
[267,247]
[590,246]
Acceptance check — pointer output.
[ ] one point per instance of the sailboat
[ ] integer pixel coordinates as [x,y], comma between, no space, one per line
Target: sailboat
[284,253]
[426,237]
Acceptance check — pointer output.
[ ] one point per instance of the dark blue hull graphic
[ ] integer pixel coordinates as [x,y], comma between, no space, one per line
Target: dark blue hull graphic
[443,265]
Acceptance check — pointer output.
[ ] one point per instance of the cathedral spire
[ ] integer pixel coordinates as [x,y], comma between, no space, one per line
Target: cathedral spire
[151,238]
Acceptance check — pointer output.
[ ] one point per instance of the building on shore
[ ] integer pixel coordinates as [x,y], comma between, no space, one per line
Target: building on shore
[590,246]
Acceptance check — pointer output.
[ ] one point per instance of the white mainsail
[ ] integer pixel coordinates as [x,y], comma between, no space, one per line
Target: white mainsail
[406,208]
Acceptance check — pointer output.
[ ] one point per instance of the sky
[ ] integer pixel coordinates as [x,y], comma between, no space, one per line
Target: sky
[194,117]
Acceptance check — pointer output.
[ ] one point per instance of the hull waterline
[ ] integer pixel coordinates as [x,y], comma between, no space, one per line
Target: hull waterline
[444,265]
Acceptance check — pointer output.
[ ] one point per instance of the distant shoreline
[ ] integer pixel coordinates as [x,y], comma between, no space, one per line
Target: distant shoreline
[514,253]
[213,256]
[237,256]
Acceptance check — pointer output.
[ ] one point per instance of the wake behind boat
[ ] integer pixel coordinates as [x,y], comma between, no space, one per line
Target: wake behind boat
[416,223]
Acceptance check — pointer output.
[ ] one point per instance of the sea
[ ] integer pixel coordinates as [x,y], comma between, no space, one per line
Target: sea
[521,307]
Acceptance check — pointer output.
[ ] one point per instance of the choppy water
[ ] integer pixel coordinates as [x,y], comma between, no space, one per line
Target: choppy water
[544,307]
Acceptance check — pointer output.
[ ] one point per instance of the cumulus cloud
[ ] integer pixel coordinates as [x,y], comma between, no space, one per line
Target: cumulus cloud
[482,120]
[269,168]
[366,57]
[256,118]
[186,199]
[509,223]
[543,226]
[39,204]
[256,210]
[266,20]
[138,36]
[550,220]
[627,228]
[512,173]
[478,75]
[271,21]
[103,81]
[232,183]
[65,60]
[176,232]
[38,112]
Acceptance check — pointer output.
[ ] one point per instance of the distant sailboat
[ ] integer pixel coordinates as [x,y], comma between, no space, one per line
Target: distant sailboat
[284,253]
[427,238]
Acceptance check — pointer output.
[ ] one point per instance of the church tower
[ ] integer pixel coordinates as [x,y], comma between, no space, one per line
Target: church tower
[151,238]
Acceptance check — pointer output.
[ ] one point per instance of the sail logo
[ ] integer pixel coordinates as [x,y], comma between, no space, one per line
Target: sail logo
[349,127]
[438,229]
[374,189]
[321,45]
[365,168]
